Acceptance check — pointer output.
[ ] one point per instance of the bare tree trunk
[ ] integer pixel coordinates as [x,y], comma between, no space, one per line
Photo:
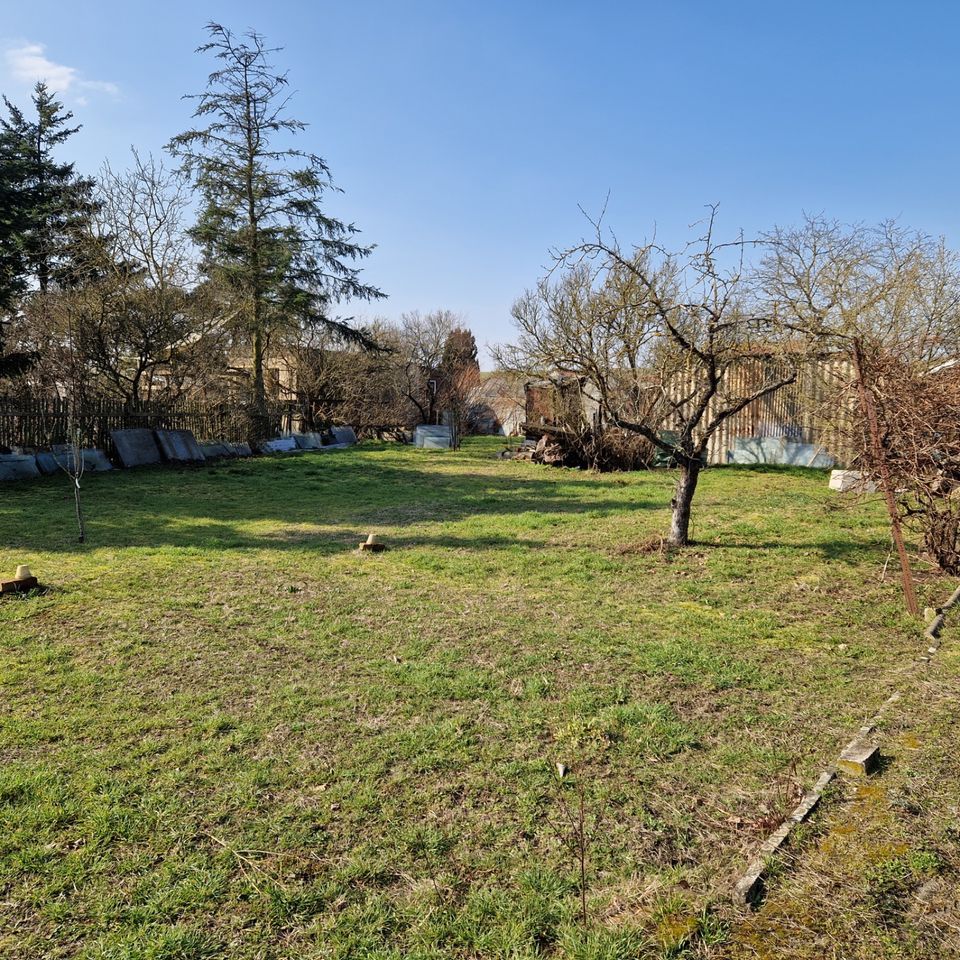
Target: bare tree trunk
[76,499]
[682,500]
[260,427]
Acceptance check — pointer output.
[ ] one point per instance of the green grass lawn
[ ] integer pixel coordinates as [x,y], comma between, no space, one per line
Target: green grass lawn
[226,733]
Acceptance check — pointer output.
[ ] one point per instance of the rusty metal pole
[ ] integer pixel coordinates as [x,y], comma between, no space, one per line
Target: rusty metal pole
[870,413]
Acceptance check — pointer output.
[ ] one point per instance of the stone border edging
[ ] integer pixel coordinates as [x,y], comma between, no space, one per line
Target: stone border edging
[750,888]
[857,757]
[932,633]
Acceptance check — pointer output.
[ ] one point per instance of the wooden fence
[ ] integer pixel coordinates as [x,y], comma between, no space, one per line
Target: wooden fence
[808,411]
[34,423]
[805,411]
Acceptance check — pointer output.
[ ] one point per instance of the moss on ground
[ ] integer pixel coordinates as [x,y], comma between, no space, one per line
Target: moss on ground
[880,878]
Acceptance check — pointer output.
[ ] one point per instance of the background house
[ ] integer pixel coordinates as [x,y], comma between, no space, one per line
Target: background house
[497,405]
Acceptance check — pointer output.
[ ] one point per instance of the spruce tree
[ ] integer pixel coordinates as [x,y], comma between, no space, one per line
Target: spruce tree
[13,271]
[13,224]
[43,206]
[54,203]
[263,230]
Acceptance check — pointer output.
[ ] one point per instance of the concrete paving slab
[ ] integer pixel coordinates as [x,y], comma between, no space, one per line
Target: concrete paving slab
[136,447]
[14,466]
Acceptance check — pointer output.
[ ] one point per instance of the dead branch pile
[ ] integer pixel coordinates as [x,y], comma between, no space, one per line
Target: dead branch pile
[606,450]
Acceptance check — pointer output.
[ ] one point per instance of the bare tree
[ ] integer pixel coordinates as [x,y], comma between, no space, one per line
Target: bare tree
[136,323]
[839,282]
[340,382]
[71,462]
[422,341]
[418,370]
[913,443]
[886,300]
[654,337]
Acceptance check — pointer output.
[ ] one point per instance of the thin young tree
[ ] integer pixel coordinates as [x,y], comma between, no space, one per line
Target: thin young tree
[70,460]
[263,229]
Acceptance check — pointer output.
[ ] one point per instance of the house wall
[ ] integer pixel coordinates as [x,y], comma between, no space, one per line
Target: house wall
[497,405]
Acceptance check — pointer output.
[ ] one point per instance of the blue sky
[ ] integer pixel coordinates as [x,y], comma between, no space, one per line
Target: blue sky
[466,134]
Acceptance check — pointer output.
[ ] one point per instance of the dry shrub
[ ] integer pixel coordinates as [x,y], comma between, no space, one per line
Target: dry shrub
[655,544]
[605,451]
[918,413]
[940,524]
[619,450]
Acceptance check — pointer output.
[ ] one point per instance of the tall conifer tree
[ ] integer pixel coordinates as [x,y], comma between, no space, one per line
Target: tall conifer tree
[54,202]
[44,205]
[262,227]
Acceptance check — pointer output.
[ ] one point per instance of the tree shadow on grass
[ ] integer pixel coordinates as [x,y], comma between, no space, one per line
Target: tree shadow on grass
[327,502]
[335,499]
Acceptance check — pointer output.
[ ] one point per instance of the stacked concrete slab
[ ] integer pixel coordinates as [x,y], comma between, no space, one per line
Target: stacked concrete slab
[344,435]
[136,447]
[47,463]
[278,445]
[179,446]
[16,466]
[93,460]
[217,450]
[433,437]
[846,481]
[308,440]
[28,466]
[778,450]
[223,449]
[140,447]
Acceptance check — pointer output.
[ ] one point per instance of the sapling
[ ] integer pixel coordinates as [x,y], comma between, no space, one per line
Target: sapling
[73,466]
[575,835]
